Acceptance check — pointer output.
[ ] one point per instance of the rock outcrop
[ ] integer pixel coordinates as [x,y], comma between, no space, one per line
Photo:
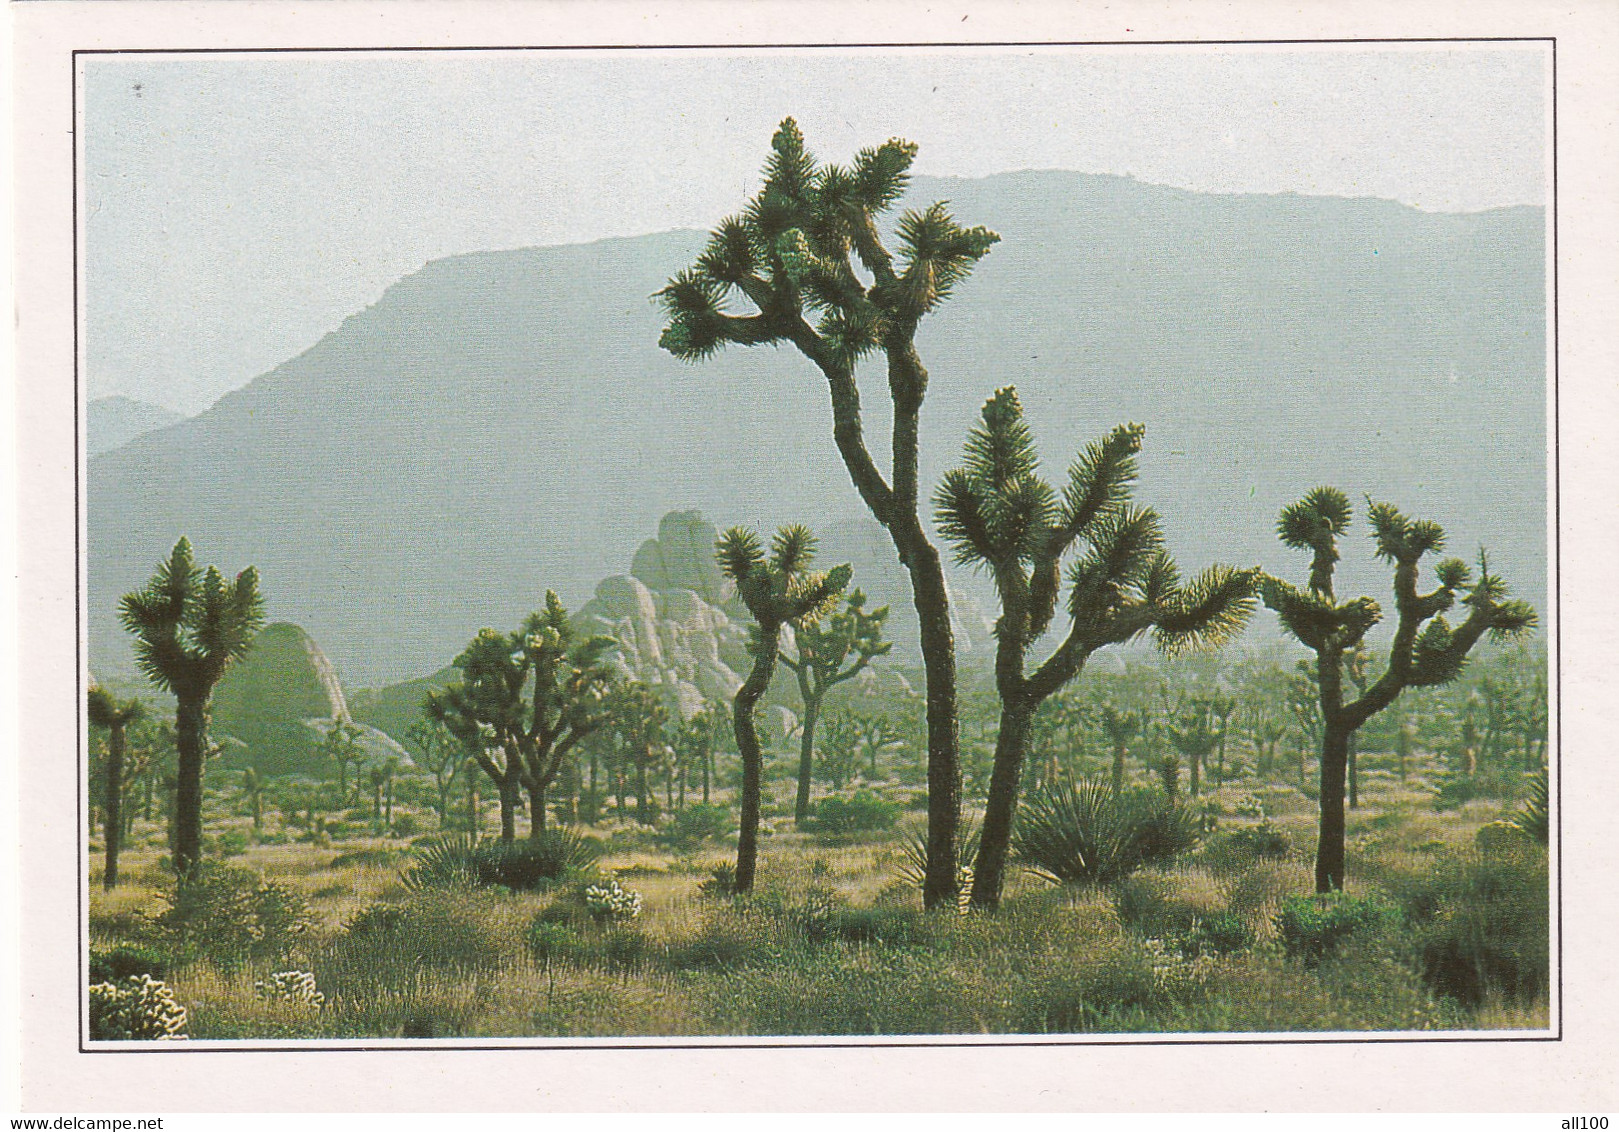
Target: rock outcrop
[278,703]
[668,618]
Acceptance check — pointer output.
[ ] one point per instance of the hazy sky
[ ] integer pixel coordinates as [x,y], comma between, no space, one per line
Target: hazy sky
[239,207]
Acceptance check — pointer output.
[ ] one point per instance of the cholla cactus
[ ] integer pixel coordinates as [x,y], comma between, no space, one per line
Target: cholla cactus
[135,1009]
[290,986]
[609,902]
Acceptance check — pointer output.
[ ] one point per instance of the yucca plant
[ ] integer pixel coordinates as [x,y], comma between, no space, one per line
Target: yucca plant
[190,625]
[1426,650]
[1003,518]
[778,588]
[1086,833]
[465,862]
[1533,818]
[799,256]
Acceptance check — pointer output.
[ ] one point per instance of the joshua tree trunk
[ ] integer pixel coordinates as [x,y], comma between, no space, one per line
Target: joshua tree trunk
[643,812]
[944,766]
[1192,783]
[536,805]
[510,799]
[708,763]
[114,803]
[747,745]
[1118,767]
[806,746]
[1329,856]
[1354,774]
[191,727]
[1011,746]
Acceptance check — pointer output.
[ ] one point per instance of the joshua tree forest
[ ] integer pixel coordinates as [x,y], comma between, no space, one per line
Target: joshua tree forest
[910,604]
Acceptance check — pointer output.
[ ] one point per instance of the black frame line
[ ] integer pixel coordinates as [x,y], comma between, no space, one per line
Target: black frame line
[943,1041]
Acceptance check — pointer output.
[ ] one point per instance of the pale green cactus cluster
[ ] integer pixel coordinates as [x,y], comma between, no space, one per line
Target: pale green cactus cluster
[135,1009]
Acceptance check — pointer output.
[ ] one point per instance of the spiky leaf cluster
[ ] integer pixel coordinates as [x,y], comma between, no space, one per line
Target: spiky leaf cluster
[778,587]
[793,251]
[190,624]
[1001,516]
[849,634]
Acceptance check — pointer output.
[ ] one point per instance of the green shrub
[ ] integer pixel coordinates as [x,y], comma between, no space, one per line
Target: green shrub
[1481,925]
[699,822]
[721,882]
[364,857]
[864,812]
[550,941]
[1534,815]
[228,914]
[404,826]
[125,961]
[135,1009]
[1219,934]
[231,843]
[1262,840]
[459,862]
[389,947]
[1312,927]
[882,924]
[1081,832]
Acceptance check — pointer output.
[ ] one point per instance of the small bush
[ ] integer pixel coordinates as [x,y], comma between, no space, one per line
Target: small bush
[864,812]
[125,961]
[1262,840]
[721,882]
[549,941]
[1081,832]
[389,947]
[364,857]
[883,924]
[1219,934]
[404,826]
[699,822]
[228,914]
[135,1009]
[1534,815]
[231,843]
[1312,927]
[459,862]
[1482,926]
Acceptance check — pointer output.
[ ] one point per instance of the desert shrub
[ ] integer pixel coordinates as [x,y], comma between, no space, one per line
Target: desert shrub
[1219,934]
[882,924]
[721,881]
[229,915]
[391,946]
[1312,927]
[550,941]
[1081,832]
[405,825]
[913,865]
[731,937]
[135,1009]
[623,947]
[459,862]
[815,915]
[1164,904]
[364,857]
[699,822]
[1263,840]
[127,960]
[863,812]
[231,843]
[1481,926]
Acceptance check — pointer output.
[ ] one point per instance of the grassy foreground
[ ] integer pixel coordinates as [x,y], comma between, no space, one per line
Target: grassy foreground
[1440,929]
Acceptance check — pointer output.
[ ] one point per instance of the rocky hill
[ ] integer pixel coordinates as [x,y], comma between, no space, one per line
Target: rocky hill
[502,423]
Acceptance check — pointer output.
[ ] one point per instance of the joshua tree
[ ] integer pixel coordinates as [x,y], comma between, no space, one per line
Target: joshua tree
[699,737]
[1195,738]
[115,715]
[779,589]
[1119,727]
[1222,707]
[839,757]
[824,661]
[527,697]
[253,791]
[439,753]
[641,719]
[1426,649]
[189,626]
[797,253]
[342,746]
[1001,516]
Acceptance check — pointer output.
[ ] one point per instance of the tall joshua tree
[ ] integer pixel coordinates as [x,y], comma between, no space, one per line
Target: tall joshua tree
[527,697]
[792,255]
[828,654]
[189,626]
[779,589]
[1002,517]
[1426,649]
[116,716]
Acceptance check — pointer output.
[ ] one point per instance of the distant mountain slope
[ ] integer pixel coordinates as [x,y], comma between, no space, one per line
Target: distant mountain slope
[503,422]
[112,422]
